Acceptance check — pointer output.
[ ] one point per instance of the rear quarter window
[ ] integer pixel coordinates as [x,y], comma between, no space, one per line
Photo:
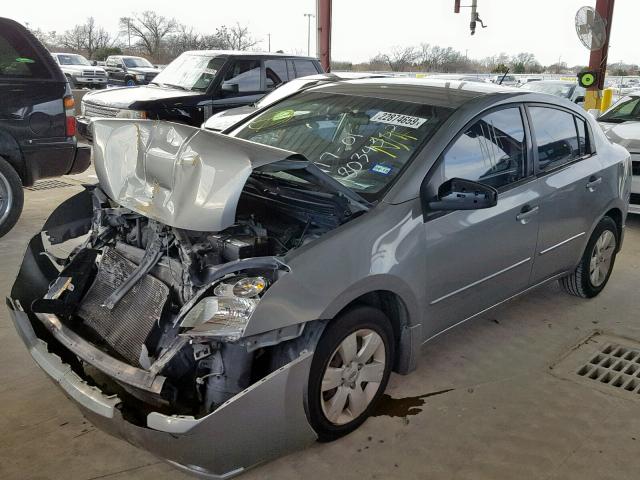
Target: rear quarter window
[304,68]
[18,58]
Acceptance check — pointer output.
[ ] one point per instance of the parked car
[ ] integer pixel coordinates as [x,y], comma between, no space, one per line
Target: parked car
[37,124]
[130,71]
[198,84]
[226,118]
[460,77]
[506,80]
[560,88]
[237,296]
[80,72]
[621,124]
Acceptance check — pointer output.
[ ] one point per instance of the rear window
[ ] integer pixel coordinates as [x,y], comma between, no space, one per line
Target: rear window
[304,68]
[17,57]
[362,142]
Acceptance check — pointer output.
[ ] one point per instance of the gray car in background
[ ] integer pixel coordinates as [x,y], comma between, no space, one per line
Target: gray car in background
[621,123]
[560,88]
[231,298]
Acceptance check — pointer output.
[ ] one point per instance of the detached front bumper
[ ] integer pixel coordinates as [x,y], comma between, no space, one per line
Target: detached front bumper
[262,422]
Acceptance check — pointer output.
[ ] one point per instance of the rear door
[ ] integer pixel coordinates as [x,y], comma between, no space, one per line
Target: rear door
[478,258]
[570,179]
[275,70]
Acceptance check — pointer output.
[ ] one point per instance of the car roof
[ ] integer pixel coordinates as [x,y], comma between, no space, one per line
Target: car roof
[244,53]
[445,93]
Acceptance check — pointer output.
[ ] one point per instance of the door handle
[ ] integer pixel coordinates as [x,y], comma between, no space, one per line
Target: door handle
[526,213]
[593,183]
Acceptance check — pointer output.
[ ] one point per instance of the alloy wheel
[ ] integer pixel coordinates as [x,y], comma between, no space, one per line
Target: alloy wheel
[6,198]
[352,376]
[601,256]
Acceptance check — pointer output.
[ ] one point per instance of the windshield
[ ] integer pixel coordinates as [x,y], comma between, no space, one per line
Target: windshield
[362,142]
[558,89]
[627,109]
[190,72]
[132,62]
[72,60]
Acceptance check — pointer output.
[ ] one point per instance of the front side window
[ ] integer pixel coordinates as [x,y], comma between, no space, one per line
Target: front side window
[556,136]
[18,58]
[245,74]
[491,151]
[276,72]
[190,72]
[362,142]
[136,62]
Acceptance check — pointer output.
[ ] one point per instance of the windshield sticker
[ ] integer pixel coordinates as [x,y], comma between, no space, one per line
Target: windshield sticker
[24,60]
[278,118]
[382,169]
[398,119]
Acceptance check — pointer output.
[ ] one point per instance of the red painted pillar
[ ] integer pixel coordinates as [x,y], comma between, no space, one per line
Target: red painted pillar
[598,58]
[323,17]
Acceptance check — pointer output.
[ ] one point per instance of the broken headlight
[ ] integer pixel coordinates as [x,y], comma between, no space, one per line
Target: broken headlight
[227,312]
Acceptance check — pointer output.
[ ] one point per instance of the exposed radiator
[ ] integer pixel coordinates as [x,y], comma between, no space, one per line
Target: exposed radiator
[126,327]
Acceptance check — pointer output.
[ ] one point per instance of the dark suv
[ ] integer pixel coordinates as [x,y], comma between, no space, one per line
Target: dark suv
[37,123]
[130,71]
[198,84]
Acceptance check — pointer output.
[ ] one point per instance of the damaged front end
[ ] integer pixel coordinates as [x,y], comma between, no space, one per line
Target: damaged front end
[136,295]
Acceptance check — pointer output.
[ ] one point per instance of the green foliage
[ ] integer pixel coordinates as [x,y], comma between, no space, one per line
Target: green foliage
[103,53]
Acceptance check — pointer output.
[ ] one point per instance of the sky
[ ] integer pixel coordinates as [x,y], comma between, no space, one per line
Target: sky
[363,28]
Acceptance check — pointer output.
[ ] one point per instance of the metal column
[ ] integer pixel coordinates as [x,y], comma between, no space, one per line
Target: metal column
[323,17]
[598,58]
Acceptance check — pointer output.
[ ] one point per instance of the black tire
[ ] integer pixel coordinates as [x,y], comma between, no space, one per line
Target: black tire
[579,282]
[352,320]
[10,180]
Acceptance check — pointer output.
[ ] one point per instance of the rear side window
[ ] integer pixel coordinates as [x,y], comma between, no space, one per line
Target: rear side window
[556,136]
[17,57]
[276,72]
[304,68]
[245,74]
[491,151]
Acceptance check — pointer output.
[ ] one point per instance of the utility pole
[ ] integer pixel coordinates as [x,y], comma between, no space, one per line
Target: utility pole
[269,35]
[309,15]
[323,12]
[598,58]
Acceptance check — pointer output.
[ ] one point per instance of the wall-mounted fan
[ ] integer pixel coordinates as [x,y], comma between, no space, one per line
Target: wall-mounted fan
[591,28]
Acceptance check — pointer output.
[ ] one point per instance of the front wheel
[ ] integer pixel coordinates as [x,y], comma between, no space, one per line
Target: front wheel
[349,371]
[130,82]
[593,272]
[11,197]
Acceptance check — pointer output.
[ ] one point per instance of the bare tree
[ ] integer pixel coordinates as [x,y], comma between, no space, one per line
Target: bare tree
[150,29]
[95,38]
[49,39]
[400,58]
[74,39]
[236,37]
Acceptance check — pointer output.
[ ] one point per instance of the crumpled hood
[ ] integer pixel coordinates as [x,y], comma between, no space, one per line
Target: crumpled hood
[182,176]
[626,134]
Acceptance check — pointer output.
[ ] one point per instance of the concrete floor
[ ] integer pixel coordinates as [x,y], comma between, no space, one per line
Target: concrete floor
[507,415]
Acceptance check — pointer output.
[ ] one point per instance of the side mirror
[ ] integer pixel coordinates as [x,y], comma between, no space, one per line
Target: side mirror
[580,99]
[230,87]
[460,194]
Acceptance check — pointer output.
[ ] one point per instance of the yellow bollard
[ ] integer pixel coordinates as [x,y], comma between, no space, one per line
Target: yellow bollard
[607,96]
[592,99]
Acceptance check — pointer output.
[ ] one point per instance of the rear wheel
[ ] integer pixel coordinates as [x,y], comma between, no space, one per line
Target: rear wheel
[592,273]
[11,197]
[349,371]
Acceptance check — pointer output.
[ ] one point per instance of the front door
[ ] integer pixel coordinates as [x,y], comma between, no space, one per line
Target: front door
[477,258]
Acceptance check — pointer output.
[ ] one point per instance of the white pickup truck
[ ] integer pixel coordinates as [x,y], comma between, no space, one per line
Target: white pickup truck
[80,72]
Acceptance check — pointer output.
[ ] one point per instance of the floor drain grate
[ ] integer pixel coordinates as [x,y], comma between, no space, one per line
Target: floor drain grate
[614,365]
[49,185]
